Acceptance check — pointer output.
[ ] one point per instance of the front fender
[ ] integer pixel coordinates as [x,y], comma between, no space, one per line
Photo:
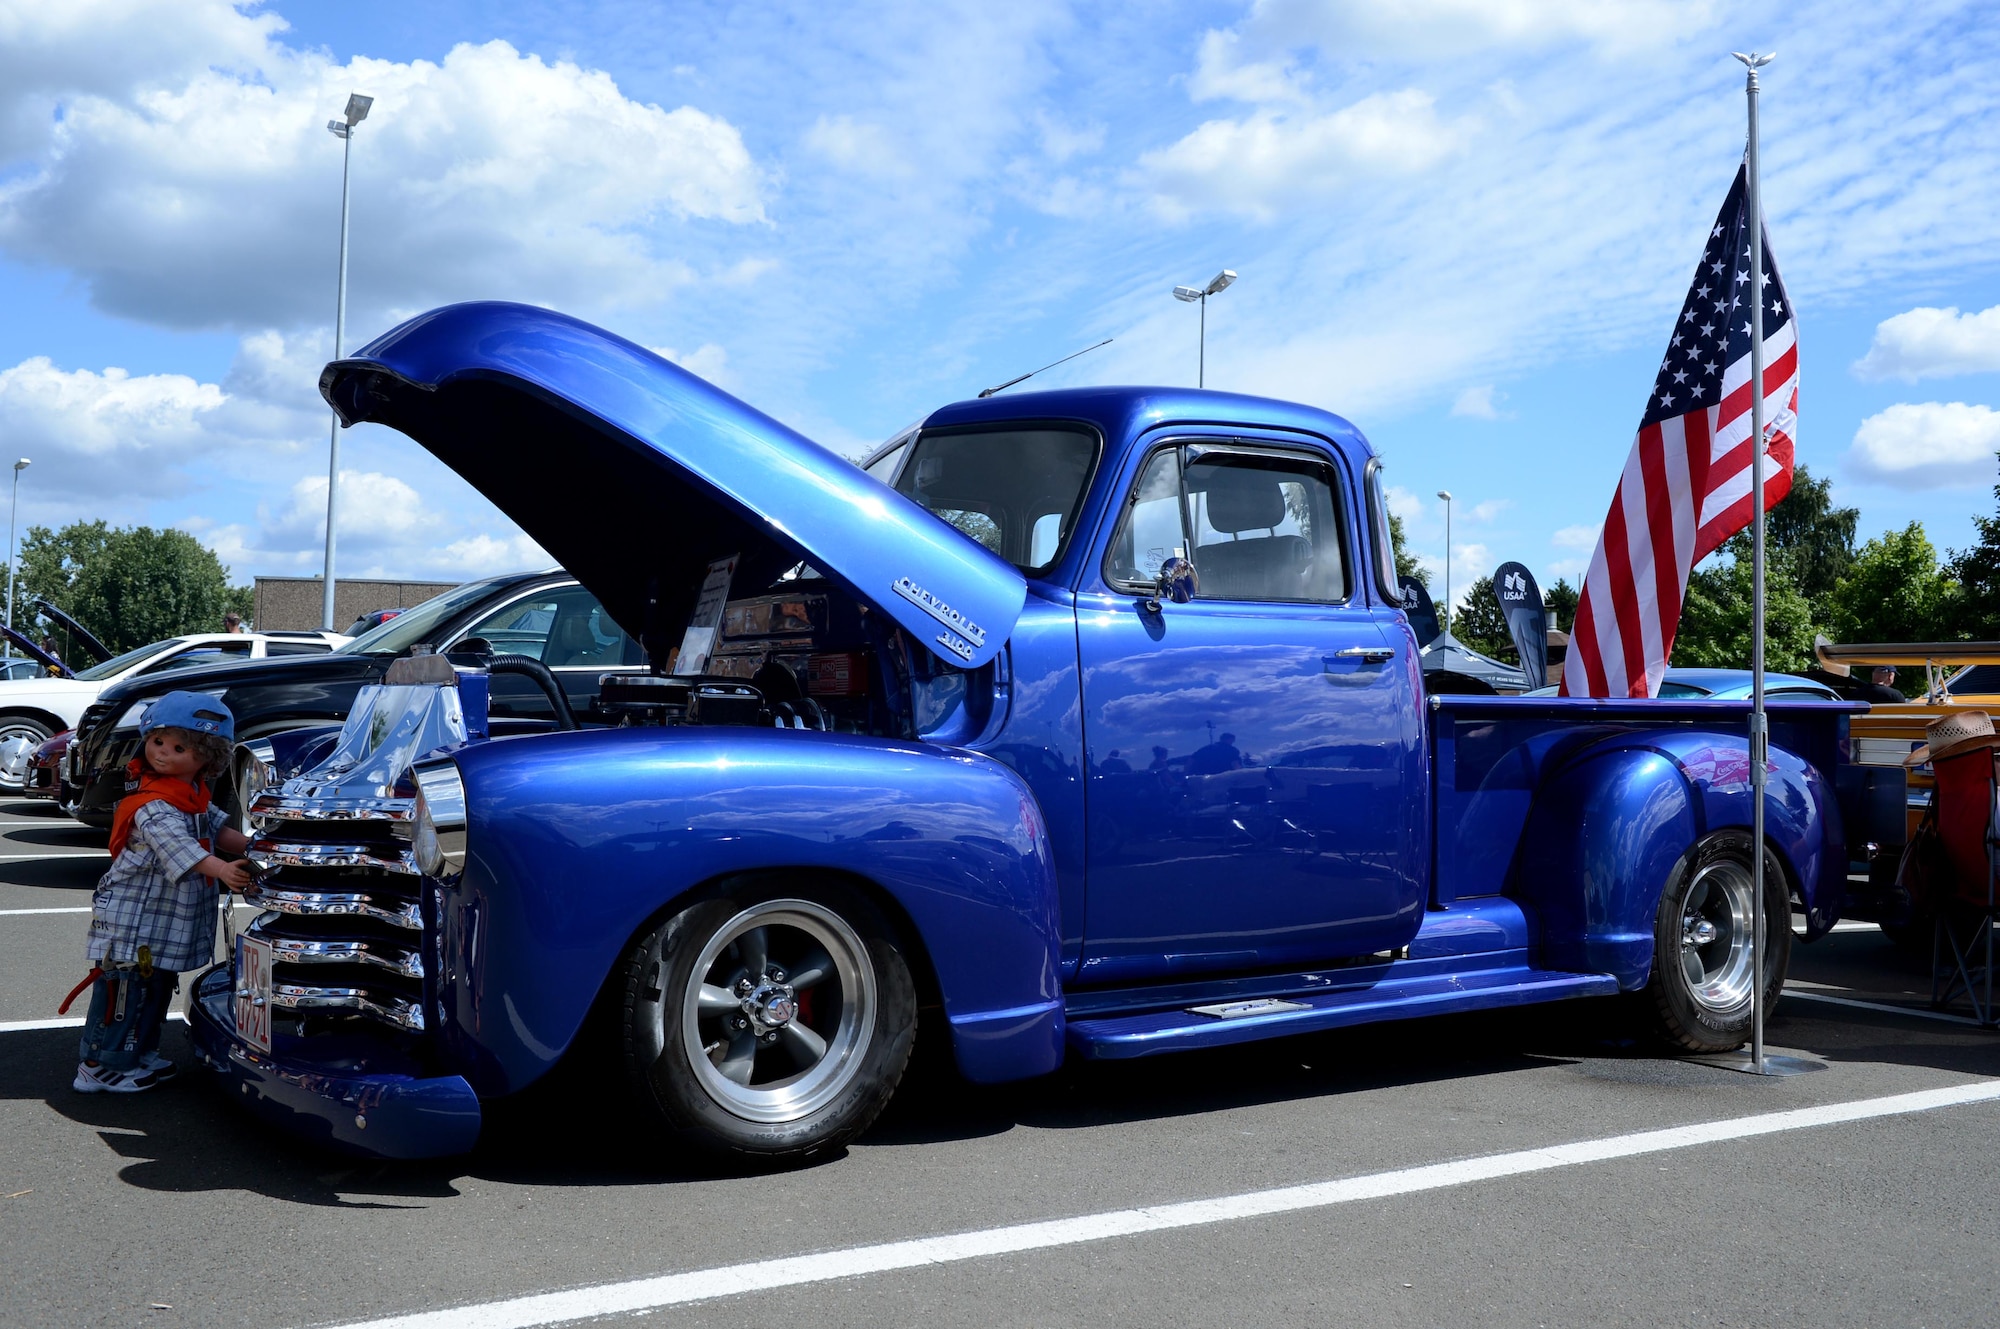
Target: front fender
[1609,825]
[575,841]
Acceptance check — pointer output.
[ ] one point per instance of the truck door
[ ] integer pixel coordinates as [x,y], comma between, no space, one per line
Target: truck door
[1252,755]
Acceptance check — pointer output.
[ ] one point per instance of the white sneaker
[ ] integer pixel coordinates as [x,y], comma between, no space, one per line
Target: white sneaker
[103,1080]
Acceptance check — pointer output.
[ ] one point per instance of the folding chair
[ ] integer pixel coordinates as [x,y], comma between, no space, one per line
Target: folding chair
[1968,824]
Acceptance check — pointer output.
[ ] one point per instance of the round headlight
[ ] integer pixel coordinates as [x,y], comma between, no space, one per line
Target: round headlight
[439,839]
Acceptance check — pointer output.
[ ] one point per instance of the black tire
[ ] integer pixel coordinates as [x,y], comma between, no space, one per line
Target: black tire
[20,735]
[1712,887]
[788,1107]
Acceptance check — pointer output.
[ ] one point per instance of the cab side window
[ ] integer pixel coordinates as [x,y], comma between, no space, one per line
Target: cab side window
[1257,526]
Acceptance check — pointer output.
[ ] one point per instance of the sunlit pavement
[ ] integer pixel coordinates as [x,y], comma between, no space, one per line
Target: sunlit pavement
[175,1208]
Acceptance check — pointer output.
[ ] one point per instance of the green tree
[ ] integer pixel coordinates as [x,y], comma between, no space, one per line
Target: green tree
[1977,572]
[1480,624]
[1406,563]
[1818,536]
[1715,618]
[130,585]
[50,560]
[1561,600]
[1894,590]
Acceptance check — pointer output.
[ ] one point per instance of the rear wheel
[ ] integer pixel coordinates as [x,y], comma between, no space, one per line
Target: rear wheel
[770,1023]
[1703,964]
[19,737]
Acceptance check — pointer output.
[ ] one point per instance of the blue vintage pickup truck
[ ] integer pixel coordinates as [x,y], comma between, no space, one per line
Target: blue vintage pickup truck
[1083,723]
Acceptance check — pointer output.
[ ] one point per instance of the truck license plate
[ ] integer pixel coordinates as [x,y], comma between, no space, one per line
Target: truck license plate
[253,992]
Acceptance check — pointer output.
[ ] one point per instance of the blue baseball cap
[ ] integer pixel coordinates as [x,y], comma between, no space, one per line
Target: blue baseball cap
[196,712]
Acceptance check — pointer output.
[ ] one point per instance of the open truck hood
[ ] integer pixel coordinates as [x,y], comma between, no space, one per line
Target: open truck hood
[635,475]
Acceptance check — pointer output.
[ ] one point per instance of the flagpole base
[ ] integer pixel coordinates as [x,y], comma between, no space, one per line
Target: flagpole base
[1774,1063]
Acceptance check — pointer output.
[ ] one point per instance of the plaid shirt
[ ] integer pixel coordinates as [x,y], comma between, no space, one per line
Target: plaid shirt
[153,897]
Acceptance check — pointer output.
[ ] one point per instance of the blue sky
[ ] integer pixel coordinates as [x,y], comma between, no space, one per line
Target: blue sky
[1464,224]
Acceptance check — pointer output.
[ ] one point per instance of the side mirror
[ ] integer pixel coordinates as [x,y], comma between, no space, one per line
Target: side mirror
[1178,582]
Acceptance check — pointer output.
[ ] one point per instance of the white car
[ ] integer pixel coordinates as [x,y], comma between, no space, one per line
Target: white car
[35,708]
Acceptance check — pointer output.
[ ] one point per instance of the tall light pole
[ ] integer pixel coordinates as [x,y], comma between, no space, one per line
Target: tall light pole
[1193,294]
[343,129]
[1445,494]
[13,509]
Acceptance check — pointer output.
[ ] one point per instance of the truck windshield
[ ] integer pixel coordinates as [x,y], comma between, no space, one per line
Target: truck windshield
[1014,489]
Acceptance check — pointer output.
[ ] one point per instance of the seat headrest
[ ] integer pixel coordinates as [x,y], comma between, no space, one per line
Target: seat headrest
[1242,499]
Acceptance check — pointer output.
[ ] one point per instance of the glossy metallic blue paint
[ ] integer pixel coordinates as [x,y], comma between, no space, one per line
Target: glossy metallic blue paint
[1582,809]
[677,467]
[345,1104]
[578,841]
[1123,813]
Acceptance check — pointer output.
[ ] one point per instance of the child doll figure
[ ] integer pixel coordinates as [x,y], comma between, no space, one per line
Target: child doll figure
[153,914]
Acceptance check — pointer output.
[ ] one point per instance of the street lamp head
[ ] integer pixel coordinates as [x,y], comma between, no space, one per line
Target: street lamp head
[23,464]
[357,108]
[1220,282]
[1189,293]
[1445,494]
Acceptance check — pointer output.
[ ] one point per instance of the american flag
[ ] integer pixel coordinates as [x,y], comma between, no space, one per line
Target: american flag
[1686,486]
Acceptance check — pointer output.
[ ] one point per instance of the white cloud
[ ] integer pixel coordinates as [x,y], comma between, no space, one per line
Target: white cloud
[199,191]
[1254,165]
[98,436]
[1575,537]
[387,529]
[1221,72]
[858,146]
[1933,343]
[1486,510]
[1432,27]
[707,361]
[1403,502]
[1928,445]
[1479,403]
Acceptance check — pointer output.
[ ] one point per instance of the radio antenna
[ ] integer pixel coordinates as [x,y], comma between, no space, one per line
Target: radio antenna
[1002,387]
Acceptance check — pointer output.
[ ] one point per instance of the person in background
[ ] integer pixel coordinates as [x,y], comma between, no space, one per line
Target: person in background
[1882,685]
[153,913]
[232,622]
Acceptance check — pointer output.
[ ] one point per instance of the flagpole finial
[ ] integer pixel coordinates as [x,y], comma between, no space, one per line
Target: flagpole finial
[1754,62]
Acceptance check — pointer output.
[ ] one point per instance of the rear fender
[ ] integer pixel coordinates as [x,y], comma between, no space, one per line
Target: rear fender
[1610,825]
[578,841]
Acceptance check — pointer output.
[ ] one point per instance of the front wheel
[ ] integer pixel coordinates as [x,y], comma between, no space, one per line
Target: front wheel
[19,737]
[769,1024]
[1702,959]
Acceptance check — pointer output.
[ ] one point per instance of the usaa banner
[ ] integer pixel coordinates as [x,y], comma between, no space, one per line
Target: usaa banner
[1527,619]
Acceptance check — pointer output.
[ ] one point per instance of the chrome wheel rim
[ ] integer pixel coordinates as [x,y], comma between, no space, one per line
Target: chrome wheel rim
[1716,958]
[779,1011]
[18,742]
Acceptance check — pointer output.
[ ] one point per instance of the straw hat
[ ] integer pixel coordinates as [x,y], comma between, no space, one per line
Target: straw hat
[1949,735]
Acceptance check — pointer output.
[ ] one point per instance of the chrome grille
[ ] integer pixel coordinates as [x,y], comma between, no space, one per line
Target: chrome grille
[343,910]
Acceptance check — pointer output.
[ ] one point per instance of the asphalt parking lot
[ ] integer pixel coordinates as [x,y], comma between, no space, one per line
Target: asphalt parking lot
[1161,1192]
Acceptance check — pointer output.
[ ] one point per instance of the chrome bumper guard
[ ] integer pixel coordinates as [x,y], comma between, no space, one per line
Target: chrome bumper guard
[305,997]
[339,904]
[272,854]
[293,950]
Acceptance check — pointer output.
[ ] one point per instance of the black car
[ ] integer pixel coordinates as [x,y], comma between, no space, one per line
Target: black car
[527,623]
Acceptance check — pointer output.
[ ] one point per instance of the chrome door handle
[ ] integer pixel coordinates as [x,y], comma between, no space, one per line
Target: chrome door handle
[1367,654]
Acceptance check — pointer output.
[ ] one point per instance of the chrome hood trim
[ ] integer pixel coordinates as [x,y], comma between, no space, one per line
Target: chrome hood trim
[635,475]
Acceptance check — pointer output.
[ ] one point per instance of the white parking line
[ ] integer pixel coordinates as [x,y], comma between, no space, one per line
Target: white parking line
[1920,1013]
[65,909]
[648,1294]
[58,853]
[59,1022]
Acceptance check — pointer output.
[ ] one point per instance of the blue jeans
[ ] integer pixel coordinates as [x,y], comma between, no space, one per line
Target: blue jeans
[127,1013]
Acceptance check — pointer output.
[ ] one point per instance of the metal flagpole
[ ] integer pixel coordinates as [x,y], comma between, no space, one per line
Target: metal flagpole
[1759,731]
[1753,205]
